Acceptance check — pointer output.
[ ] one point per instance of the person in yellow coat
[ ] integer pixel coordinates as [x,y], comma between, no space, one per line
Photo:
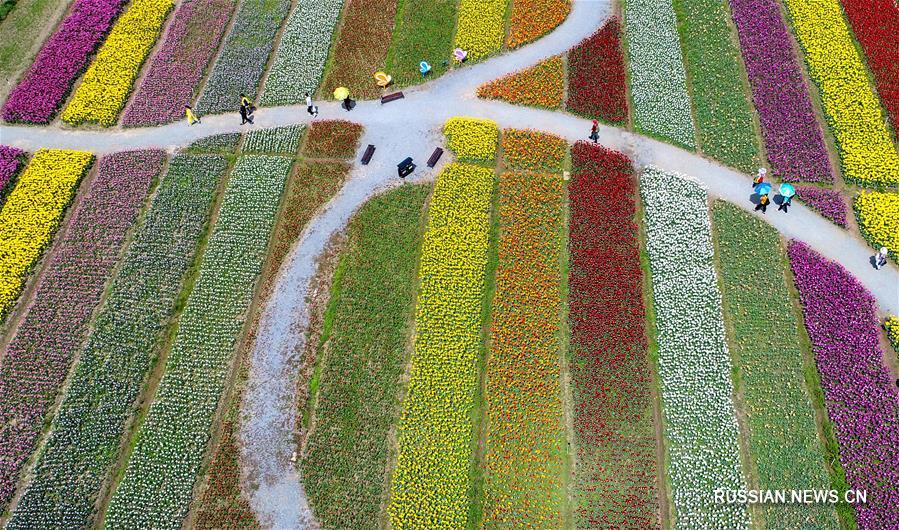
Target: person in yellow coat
[191,117]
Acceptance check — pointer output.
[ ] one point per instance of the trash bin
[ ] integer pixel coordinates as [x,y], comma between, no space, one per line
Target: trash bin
[405,167]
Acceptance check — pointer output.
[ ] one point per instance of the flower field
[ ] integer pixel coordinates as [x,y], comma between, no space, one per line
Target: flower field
[107,82]
[243,56]
[859,390]
[721,103]
[472,139]
[348,448]
[429,487]
[875,25]
[41,91]
[332,139]
[219,143]
[525,149]
[867,151]
[892,325]
[532,19]
[658,79]
[615,477]
[158,482]
[878,220]
[114,363]
[361,47]
[542,85]
[177,67]
[525,442]
[31,214]
[694,362]
[300,58]
[424,32]
[10,162]
[596,76]
[764,336]
[279,140]
[481,28]
[38,356]
[793,139]
[827,202]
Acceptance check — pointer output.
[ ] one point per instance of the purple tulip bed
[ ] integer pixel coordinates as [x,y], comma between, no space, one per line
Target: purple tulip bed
[793,138]
[10,163]
[827,202]
[177,68]
[64,56]
[38,356]
[861,397]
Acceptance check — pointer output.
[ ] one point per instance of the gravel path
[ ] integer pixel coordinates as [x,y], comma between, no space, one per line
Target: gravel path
[411,127]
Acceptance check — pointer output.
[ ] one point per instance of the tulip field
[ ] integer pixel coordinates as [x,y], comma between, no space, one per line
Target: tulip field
[238,324]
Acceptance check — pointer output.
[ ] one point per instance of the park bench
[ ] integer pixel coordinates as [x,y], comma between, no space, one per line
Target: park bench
[391,97]
[435,156]
[366,156]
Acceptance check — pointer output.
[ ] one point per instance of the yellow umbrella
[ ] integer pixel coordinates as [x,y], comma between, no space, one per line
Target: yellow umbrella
[383,79]
[341,93]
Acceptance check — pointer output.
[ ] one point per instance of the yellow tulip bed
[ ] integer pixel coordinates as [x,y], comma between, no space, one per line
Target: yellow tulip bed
[892,325]
[481,27]
[472,139]
[878,219]
[524,462]
[429,487]
[109,78]
[852,108]
[32,213]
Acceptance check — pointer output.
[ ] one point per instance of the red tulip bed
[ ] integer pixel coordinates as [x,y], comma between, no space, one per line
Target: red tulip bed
[596,76]
[525,446]
[859,390]
[37,359]
[616,479]
[876,26]
[332,139]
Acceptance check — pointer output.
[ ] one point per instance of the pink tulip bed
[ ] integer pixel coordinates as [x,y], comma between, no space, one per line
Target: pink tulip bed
[860,394]
[38,356]
[827,202]
[10,163]
[177,68]
[63,58]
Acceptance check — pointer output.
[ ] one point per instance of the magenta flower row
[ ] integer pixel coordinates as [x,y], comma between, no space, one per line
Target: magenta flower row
[827,202]
[10,160]
[38,357]
[61,60]
[187,48]
[861,397]
[793,138]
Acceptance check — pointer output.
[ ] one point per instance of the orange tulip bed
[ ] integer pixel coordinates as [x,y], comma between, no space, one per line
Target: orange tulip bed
[532,19]
[615,479]
[533,150]
[542,85]
[332,139]
[361,47]
[525,455]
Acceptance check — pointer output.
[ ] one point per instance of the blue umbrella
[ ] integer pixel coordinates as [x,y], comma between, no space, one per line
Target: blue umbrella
[763,188]
[787,190]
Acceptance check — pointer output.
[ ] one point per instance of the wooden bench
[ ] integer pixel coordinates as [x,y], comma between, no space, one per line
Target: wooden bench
[366,156]
[435,156]
[391,97]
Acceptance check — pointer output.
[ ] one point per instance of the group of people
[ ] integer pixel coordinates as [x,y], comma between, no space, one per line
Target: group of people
[246,111]
[764,200]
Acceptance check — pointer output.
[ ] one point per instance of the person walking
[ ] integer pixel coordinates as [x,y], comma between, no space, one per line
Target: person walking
[880,259]
[245,115]
[348,103]
[191,117]
[763,203]
[594,132]
[760,177]
[310,108]
[245,101]
[785,204]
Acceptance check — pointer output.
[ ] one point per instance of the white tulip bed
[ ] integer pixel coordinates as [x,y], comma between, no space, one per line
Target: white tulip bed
[280,140]
[694,363]
[157,487]
[113,365]
[657,74]
[300,60]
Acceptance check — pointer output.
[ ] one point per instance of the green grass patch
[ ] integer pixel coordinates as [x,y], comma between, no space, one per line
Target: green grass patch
[423,32]
[21,30]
